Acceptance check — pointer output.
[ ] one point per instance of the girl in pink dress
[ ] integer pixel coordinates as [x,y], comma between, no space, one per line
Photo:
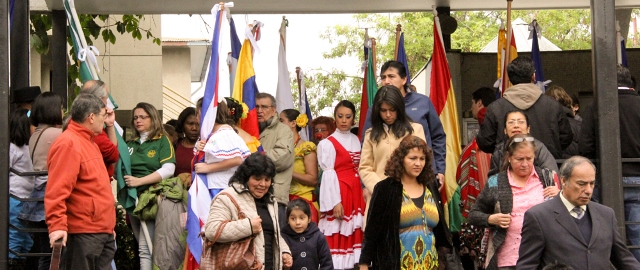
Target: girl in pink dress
[341,203]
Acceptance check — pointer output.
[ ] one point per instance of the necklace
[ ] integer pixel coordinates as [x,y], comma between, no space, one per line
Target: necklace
[296,142]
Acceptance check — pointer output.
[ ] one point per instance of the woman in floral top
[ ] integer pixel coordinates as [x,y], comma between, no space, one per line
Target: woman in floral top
[305,166]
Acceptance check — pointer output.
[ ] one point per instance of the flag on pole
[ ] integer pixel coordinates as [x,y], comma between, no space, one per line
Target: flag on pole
[88,70]
[305,133]
[369,89]
[232,61]
[199,196]
[503,60]
[402,56]
[284,99]
[245,88]
[444,100]
[535,54]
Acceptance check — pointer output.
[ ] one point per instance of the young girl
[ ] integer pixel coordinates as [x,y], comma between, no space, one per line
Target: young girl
[308,245]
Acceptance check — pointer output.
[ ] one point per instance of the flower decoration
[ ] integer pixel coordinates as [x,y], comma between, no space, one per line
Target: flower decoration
[245,110]
[302,120]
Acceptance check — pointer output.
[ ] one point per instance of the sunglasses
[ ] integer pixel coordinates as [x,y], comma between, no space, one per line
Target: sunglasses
[519,140]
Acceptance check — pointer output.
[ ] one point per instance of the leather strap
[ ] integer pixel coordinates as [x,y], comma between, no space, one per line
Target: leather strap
[241,215]
[55,255]
[37,140]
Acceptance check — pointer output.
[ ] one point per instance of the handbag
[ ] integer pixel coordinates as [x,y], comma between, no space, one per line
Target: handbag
[453,261]
[236,255]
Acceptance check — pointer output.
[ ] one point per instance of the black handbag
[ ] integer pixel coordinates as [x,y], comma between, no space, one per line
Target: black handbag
[453,261]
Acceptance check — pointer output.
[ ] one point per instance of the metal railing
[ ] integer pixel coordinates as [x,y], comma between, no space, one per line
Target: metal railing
[26,229]
[173,103]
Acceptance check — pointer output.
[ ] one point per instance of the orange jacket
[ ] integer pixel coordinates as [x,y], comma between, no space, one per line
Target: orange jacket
[78,198]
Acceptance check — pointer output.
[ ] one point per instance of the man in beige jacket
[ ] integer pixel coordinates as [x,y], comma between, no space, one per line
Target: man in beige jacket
[277,141]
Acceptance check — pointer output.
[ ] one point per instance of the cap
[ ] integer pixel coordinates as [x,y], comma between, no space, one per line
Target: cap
[25,94]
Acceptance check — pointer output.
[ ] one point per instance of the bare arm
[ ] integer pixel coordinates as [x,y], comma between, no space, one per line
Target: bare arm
[310,178]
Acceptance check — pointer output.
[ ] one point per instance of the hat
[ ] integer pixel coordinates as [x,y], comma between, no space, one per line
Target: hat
[25,94]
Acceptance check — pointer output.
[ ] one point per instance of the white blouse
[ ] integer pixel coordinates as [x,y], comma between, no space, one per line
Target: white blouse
[330,187]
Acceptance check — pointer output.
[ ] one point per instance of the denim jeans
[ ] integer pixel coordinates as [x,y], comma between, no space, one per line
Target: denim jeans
[632,212]
[20,242]
[144,248]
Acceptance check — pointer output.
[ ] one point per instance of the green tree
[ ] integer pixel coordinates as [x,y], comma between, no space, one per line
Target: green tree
[324,87]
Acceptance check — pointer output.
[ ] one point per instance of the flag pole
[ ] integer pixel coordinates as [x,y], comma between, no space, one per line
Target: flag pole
[373,54]
[398,31]
[299,86]
[505,77]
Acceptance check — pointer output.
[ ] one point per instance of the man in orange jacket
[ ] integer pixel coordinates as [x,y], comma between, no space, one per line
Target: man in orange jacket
[79,204]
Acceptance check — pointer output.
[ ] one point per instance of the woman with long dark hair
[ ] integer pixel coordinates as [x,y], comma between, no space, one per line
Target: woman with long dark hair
[389,125]
[406,223]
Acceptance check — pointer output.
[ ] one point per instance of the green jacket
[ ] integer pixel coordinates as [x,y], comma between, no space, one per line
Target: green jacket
[171,188]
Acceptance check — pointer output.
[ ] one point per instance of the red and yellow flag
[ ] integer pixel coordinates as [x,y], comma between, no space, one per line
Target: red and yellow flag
[504,61]
[444,100]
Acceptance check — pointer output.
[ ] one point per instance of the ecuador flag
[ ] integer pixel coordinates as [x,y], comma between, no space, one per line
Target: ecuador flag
[246,89]
[444,100]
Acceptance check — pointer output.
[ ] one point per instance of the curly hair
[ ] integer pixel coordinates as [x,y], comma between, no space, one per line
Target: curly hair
[395,165]
[325,120]
[256,165]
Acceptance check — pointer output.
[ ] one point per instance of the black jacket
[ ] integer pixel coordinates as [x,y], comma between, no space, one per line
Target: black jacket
[546,118]
[309,249]
[629,111]
[381,244]
[543,158]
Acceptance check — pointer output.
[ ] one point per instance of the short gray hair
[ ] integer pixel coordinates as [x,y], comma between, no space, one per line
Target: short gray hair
[567,167]
[262,95]
[84,105]
[94,87]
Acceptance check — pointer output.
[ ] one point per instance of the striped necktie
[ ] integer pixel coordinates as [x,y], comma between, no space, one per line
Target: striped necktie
[579,212]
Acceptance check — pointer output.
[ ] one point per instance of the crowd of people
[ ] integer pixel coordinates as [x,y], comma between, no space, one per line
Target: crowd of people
[332,201]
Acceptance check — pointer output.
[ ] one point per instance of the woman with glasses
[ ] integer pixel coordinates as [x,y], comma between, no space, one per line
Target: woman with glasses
[501,205]
[389,125]
[406,223]
[152,160]
[517,122]
[305,164]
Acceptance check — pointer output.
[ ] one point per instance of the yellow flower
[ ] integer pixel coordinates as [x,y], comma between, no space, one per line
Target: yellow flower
[245,110]
[302,120]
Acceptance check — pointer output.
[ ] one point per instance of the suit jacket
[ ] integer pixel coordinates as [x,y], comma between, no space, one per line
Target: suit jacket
[550,234]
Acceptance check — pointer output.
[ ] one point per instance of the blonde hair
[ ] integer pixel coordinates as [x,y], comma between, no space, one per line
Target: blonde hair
[156,128]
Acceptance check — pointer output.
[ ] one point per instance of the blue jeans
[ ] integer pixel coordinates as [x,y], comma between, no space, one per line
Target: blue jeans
[20,242]
[632,212]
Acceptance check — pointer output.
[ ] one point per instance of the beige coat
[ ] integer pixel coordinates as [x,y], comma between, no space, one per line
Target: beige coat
[277,142]
[374,157]
[223,209]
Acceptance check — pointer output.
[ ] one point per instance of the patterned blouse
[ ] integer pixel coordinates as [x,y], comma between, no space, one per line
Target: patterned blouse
[417,241]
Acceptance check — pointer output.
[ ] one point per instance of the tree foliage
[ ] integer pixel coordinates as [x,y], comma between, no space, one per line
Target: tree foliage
[324,87]
[568,29]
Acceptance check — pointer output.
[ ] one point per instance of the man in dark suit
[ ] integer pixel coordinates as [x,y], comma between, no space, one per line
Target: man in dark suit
[571,229]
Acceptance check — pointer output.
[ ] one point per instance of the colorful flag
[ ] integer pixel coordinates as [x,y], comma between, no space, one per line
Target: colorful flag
[444,100]
[535,54]
[369,89]
[232,61]
[502,84]
[245,88]
[305,133]
[402,56]
[199,196]
[284,99]
[88,70]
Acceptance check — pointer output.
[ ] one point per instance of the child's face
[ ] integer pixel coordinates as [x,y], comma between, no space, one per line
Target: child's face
[298,220]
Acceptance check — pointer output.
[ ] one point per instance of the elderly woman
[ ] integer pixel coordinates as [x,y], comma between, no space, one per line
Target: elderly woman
[252,188]
[507,196]
[517,122]
[405,222]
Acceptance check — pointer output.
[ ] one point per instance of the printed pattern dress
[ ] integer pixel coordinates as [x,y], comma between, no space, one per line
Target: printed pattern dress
[339,157]
[417,241]
[299,190]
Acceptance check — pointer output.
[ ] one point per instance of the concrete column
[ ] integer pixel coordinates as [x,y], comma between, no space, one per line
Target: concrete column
[604,66]
[4,132]
[20,64]
[58,45]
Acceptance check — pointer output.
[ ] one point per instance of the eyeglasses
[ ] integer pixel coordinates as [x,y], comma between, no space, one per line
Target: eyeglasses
[263,107]
[514,122]
[142,117]
[519,140]
[319,129]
